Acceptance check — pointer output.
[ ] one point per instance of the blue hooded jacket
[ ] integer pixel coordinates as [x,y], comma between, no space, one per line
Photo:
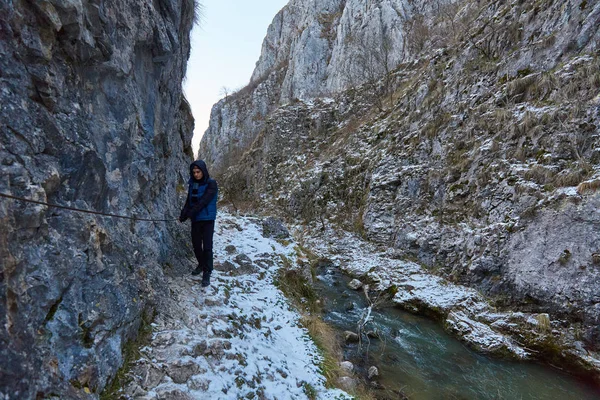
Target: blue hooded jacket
[201,203]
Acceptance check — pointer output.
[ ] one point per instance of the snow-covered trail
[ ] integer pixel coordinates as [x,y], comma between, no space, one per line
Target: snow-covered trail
[238,338]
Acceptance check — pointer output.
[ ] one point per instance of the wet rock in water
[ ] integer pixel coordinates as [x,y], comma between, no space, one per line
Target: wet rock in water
[349,306]
[274,228]
[347,383]
[373,335]
[355,284]
[230,249]
[373,372]
[347,366]
[351,337]
[181,371]
[198,383]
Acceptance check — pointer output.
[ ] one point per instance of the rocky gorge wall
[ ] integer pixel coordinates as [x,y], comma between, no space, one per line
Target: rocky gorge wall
[312,49]
[92,117]
[476,155]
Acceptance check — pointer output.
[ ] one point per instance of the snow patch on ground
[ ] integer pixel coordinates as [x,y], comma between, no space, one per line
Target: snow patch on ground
[238,338]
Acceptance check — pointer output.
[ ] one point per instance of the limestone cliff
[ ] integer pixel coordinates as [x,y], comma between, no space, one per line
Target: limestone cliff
[92,116]
[475,150]
[312,48]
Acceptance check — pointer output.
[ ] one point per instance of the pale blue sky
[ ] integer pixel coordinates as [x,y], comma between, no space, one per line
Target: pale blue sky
[225,47]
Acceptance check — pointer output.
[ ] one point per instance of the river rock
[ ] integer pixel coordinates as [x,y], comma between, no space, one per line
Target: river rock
[351,337]
[373,372]
[355,284]
[347,367]
[373,334]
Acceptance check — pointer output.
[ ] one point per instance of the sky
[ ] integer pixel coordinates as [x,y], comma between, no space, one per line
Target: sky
[225,48]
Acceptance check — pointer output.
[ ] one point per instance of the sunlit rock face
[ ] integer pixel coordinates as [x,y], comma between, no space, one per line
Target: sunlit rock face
[326,45]
[92,117]
[477,155]
[312,49]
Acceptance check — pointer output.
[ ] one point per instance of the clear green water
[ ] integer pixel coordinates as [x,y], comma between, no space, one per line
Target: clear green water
[417,358]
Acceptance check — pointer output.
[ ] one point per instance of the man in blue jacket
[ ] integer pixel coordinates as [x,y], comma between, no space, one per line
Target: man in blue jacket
[201,208]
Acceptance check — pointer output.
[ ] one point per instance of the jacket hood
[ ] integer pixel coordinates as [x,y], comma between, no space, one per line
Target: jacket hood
[202,165]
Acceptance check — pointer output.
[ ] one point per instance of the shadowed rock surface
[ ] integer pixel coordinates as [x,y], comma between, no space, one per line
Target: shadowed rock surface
[92,117]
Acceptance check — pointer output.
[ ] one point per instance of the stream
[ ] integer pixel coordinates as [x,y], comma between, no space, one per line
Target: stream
[417,358]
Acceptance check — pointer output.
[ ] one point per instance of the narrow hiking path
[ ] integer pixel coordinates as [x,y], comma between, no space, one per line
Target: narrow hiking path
[238,338]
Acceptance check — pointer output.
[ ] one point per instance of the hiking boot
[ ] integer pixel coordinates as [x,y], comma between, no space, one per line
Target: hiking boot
[197,271]
[205,280]
[208,267]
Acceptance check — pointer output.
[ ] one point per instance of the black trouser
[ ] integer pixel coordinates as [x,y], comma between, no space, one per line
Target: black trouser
[202,239]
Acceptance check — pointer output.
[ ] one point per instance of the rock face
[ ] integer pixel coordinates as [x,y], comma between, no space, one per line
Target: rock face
[477,154]
[313,48]
[92,117]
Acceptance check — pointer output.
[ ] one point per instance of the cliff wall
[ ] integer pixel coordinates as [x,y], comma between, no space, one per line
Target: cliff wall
[312,49]
[92,117]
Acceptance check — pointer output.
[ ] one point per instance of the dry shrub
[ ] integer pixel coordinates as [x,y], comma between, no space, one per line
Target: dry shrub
[326,339]
[588,186]
[519,88]
[502,116]
[543,86]
[540,175]
[573,176]
[520,154]
[418,33]
[543,323]
[436,124]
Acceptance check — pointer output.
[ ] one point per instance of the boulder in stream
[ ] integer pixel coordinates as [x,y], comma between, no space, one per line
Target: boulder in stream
[347,366]
[355,284]
[373,372]
[351,337]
